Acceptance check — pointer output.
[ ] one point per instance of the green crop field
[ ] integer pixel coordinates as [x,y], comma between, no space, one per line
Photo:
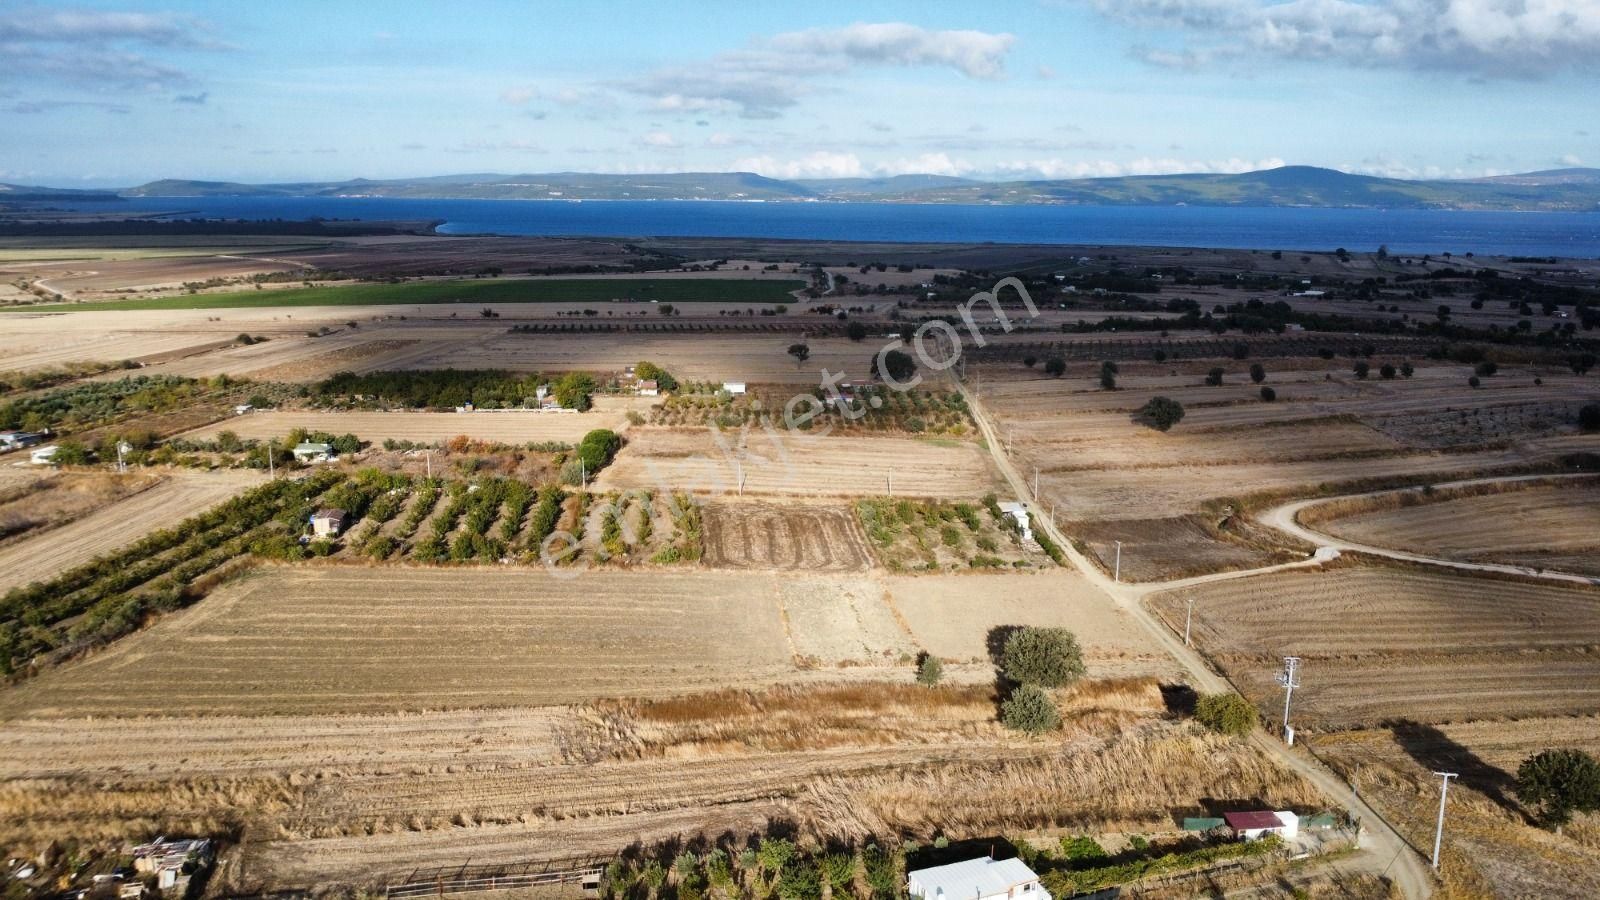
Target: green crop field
[489,290]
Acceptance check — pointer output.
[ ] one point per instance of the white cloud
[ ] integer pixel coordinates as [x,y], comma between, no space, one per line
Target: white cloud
[519,96]
[103,49]
[821,164]
[976,54]
[1571,161]
[770,76]
[659,140]
[1488,38]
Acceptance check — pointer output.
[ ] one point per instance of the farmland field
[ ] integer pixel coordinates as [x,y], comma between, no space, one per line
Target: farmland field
[179,495]
[1550,526]
[789,536]
[1381,643]
[665,290]
[355,639]
[797,464]
[432,427]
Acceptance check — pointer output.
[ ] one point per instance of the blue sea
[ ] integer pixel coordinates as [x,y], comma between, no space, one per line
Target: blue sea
[1403,231]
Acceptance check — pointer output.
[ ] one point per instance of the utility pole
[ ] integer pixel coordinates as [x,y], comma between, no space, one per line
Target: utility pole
[1036,484]
[272,450]
[1116,571]
[122,448]
[1188,618]
[429,455]
[1290,679]
[1438,833]
[890,478]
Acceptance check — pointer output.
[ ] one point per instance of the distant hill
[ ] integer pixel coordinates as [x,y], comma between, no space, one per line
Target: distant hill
[880,187]
[23,193]
[1548,176]
[1309,186]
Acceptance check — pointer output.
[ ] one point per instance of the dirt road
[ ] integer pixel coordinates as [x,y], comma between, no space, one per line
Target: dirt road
[1406,868]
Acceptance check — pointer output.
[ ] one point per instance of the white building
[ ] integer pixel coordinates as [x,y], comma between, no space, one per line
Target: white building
[977,879]
[733,387]
[329,522]
[243,408]
[313,452]
[649,388]
[1018,513]
[44,456]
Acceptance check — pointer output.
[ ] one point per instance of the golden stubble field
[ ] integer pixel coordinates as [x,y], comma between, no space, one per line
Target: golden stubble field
[1553,525]
[1111,478]
[358,639]
[1380,643]
[351,723]
[777,462]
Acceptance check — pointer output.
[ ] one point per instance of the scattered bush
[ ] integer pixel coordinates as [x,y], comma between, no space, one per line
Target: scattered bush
[1225,713]
[1030,709]
[930,671]
[1268,394]
[1055,366]
[1162,413]
[1589,417]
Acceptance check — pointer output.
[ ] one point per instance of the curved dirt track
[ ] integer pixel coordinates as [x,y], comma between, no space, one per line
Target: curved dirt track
[1285,518]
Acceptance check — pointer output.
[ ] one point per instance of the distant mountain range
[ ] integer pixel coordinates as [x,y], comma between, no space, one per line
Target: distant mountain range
[1308,186]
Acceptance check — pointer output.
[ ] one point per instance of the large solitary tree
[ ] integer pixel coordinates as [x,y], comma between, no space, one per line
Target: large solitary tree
[1558,783]
[898,363]
[1162,413]
[1048,657]
[800,352]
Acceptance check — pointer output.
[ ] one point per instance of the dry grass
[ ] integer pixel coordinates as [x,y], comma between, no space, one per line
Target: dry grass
[1490,849]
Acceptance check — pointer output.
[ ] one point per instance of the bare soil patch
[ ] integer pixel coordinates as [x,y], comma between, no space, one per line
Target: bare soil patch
[754,535]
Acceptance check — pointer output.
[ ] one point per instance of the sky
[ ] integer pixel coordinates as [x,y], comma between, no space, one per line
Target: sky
[118,93]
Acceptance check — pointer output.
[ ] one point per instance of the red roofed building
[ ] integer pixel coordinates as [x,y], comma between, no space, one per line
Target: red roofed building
[1251,826]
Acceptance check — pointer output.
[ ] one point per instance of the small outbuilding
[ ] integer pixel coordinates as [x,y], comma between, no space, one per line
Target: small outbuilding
[649,388]
[329,522]
[311,452]
[243,408]
[1255,825]
[984,878]
[733,387]
[1018,514]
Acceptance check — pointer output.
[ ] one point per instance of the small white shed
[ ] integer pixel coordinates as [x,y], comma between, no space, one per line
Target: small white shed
[1018,513]
[733,387]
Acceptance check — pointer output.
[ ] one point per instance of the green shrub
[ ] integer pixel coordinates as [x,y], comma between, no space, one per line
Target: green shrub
[1082,848]
[1226,713]
[1049,657]
[1162,412]
[1030,709]
[930,671]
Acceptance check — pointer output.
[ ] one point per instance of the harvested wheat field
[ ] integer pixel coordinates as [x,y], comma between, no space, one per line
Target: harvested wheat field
[1491,849]
[364,800]
[519,427]
[1547,526]
[792,463]
[755,535]
[1384,642]
[955,617]
[349,639]
[1098,463]
[176,496]
[353,639]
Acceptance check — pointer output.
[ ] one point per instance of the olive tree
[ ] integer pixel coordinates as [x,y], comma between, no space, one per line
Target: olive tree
[1048,657]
